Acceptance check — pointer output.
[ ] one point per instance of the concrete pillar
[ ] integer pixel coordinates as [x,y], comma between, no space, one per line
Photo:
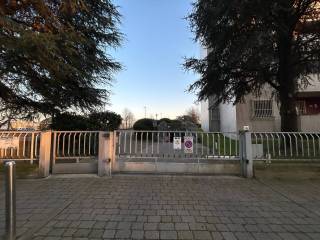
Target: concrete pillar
[105,154]
[246,154]
[45,153]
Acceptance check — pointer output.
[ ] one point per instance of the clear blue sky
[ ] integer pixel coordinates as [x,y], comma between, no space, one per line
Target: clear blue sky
[157,37]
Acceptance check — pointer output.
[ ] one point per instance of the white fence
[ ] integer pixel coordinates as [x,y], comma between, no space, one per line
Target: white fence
[96,149]
[285,146]
[172,144]
[75,145]
[19,145]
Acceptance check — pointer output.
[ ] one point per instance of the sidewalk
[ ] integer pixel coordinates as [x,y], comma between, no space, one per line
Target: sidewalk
[166,207]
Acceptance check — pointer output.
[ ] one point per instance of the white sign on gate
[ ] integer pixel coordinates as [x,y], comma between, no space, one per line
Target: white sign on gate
[177,143]
[9,142]
[188,144]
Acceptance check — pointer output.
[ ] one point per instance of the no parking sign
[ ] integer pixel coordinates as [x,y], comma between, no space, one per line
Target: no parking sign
[188,144]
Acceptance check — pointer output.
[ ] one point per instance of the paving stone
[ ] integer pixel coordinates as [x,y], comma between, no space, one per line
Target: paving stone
[168,235]
[123,234]
[185,235]
[166,226]
[109,234]
[136,234]
[96,233]
[202,235]
[127,207]
[152,235]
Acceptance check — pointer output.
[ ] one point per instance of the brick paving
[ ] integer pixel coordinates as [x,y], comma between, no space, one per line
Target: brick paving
[166,207]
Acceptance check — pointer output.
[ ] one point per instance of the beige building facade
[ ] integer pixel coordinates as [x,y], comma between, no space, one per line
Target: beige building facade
[261,113]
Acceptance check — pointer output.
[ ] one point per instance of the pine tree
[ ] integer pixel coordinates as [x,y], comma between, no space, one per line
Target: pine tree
[254,43]
[54,55]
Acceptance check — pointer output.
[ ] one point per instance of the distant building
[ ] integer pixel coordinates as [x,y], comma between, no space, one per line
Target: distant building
[262,113]
[23,125]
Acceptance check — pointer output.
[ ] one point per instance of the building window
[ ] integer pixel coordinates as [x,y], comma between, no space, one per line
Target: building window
[262,109]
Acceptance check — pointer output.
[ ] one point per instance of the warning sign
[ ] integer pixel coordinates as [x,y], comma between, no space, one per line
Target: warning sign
[188,144]
[177,143]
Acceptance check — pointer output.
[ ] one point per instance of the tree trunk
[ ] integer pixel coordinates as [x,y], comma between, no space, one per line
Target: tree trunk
[288,87]
[288,112]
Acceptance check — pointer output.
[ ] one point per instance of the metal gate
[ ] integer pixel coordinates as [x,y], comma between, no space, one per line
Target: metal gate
[177,152]
[75,152]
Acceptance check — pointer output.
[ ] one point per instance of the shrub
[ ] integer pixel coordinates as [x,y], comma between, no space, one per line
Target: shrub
[145,124]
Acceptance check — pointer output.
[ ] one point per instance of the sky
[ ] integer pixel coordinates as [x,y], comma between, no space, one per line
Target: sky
[157,38]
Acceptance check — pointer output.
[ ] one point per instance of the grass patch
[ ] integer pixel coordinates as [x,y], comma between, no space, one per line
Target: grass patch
[220,144]
[23,169]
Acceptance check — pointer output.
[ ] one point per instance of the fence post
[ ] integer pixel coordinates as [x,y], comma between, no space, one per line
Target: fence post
[10,188]
[105,153]
[45,153]
[246,154]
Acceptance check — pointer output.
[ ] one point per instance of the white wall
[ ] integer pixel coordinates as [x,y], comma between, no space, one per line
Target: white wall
[204,115]
[228,117]
[310,123]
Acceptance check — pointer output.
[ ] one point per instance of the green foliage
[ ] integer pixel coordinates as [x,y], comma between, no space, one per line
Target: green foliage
[144,124]
[54,55]
[102,121]
[105,121]
[256,43]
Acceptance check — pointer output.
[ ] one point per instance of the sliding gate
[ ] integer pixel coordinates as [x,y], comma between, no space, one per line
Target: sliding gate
[177,152]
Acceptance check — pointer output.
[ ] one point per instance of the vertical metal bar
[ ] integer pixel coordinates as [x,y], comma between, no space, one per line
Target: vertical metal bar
[136,143]
[208,145]
[201,144]
[147,143]
[95,145]
[267,137]
[224,145]
[302,145]
[297,149]
[119,142]
[279,144]
[79,150]
[141,142]
[32,148]
[273,148]
[58,145]
[213,144]
[158,144]
[54,148]
[290,142]
[313,145]
[130,144]
[10,189]
[168,150]
[308,145]
[69,140]
[24,146]
[230,142]
[84,144]
[74,144]
[63,143]
[219,145]
[89,144]
[284,144]
[236,143]
[196,144]
[152,143]
[125,143]
[36,146]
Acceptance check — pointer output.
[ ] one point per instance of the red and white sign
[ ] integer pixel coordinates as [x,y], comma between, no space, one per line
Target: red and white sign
[188,144]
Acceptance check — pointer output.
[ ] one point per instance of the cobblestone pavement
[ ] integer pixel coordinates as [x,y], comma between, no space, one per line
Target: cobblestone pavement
[166,207]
